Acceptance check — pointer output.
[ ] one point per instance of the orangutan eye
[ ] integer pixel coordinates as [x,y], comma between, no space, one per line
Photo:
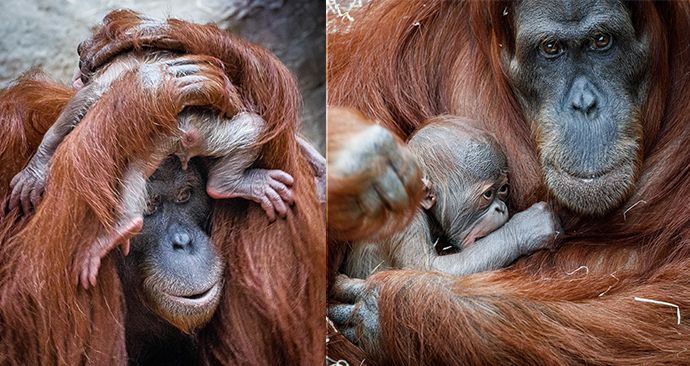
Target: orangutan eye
[183,195]
[152,204]
[601,41]
[488,194]
[551,48]
[503,189]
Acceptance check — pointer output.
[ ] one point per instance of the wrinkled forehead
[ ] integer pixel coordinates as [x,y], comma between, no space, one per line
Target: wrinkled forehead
[568,18]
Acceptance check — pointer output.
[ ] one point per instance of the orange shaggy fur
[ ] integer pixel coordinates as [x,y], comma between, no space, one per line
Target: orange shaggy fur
[402,62]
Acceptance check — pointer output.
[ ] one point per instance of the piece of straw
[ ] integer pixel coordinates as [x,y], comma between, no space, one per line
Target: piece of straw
[641,299]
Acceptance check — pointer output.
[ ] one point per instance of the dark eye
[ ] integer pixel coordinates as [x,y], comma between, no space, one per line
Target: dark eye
[183,195]
[488,194]
[601,41]
[151,205]
[503,189]
[551,47]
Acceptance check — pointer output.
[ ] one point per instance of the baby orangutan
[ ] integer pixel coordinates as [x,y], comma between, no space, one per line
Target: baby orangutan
[464,211]
[234,142]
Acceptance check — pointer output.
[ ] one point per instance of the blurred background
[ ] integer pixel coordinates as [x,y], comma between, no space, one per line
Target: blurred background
[46,33]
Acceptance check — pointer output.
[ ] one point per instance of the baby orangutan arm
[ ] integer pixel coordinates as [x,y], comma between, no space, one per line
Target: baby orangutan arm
[129,223]
[527,231]
[27,186]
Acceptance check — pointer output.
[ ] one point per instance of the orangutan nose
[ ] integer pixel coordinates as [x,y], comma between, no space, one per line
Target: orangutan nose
[583,97]
[181,240]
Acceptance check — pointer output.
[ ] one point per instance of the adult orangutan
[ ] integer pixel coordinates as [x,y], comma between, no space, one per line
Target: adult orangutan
[234,142]
[272,286]
[589,99]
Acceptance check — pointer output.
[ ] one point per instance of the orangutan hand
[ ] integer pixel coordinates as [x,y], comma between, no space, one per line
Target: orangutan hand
[357,317]
[374,181]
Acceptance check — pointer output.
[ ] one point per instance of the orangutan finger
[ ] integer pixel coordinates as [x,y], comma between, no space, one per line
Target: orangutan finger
[281,176]
[391,189]
[125,247]
[267,206]
[284,192]
[277,202]
[26,203]
[36,196]
[15,196]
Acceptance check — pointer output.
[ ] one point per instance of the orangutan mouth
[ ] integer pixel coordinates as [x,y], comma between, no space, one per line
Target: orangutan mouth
[612,175]
[197,299]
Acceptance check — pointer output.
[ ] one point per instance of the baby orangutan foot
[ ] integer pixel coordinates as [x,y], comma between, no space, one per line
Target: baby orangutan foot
[89,265]
[269,188]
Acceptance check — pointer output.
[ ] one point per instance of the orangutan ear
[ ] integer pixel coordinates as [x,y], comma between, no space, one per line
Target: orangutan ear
[429,199]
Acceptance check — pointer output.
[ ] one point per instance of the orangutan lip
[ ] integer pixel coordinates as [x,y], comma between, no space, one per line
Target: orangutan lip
[585,179]
[197,299]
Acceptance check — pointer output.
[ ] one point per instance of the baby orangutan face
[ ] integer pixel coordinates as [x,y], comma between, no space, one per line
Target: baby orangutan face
[483,210]
[466,183]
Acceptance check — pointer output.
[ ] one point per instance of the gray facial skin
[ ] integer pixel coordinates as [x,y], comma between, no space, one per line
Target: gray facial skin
[172,277]
[578,70]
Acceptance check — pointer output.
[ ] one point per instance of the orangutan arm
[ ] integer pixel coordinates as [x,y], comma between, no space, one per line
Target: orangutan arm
[527,231]
[509,317]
